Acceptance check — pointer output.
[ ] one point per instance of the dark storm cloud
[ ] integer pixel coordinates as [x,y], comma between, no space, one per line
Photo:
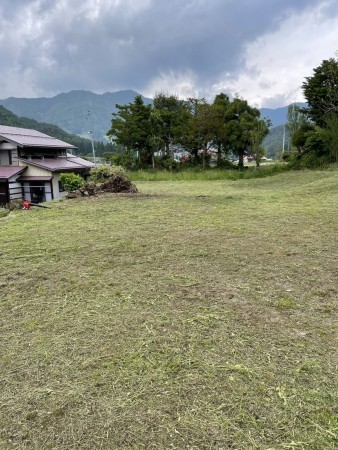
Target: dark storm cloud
[106,44]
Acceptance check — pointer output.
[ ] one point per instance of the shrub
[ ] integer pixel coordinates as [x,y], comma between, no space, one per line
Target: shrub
[71,181]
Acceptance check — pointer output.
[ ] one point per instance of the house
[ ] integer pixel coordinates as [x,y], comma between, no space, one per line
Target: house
[31,163]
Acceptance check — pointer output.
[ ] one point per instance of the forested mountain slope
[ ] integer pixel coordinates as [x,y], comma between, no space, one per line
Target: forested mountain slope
[77,112]
[8,118]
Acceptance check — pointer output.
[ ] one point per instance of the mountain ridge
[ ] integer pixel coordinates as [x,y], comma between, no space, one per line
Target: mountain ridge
[278,116]
[84,146]
[77,111]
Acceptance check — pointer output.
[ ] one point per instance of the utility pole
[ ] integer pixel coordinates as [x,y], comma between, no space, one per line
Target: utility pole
[283,140]
[90,132]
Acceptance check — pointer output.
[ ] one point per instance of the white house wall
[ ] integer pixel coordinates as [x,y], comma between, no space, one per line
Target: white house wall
[48,191]
[33,171]
[55,181]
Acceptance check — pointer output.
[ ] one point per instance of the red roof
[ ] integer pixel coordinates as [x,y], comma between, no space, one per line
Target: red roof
[31,138]
[9,171]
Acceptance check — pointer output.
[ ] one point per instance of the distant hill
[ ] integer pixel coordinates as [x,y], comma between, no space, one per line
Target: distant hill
[277,116]
[273,142]
[70,110]
[84,145]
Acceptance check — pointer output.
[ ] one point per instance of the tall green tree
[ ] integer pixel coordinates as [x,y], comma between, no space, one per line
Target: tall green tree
[221,139]
[330,136]
[321,91]
[132,128]
[200,130]
[172,114]
[240,121]
[318,140]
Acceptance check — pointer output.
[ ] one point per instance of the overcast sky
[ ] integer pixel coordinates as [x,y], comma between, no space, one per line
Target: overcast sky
[259,49]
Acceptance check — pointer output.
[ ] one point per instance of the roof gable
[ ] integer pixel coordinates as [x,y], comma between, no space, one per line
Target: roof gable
[7,172]
[25,137]
[60,164]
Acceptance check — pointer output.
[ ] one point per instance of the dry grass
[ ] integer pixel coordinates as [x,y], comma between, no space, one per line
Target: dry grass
[196,315]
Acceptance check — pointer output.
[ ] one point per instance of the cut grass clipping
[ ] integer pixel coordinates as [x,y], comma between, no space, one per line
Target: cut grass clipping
[192,315]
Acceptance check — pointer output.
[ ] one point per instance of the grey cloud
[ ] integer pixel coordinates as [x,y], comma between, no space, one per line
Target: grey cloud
[122,48]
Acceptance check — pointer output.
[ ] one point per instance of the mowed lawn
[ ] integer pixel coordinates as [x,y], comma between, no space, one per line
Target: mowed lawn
[193,315]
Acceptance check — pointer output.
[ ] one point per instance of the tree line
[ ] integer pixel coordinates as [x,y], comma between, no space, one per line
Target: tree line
[154,132]
[232,128]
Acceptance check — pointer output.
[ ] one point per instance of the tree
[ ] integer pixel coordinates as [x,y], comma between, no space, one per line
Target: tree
[131,127]
[200,130]
[330,136]
[172,116]
[221,105]
[257,133]
[300,137]
[321,91]
[240,120]
[296,118]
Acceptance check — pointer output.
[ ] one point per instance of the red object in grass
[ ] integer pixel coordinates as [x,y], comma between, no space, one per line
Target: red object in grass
[25,204]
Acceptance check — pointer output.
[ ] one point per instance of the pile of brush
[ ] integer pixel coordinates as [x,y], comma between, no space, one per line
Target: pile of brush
[117,184]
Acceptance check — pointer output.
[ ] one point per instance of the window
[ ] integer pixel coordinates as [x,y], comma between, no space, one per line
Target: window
[61,187]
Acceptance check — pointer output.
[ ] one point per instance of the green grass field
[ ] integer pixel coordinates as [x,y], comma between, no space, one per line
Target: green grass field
[193,315]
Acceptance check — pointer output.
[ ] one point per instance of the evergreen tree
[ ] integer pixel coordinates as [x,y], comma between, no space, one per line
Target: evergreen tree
[131,128]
